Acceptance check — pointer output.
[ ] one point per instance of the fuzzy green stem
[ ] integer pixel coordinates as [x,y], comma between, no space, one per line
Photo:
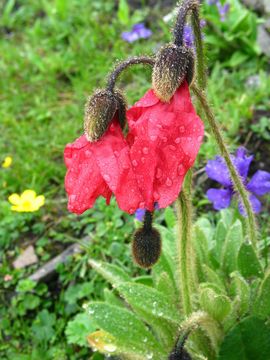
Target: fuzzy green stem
[184,215]
[125,64]
[236,179]
[200,58]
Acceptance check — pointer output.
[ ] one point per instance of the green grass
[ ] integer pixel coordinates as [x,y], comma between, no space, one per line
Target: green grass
[53,55]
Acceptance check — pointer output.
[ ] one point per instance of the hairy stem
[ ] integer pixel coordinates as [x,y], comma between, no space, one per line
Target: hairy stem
[186,7]
[184,254]
[125,64]
[236,179]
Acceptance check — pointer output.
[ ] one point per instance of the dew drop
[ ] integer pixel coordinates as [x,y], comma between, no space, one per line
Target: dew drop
[143,160]
[134,163]
[164,139]
[172,147]
[107,177]
[72,198]
[91,311]
[145,150]
[142,205]
[116,153]
[200,138]
[177,140]
[169,182]
[88,153]
[149,356]
[182,129]
[110,347]
[156,195]
[180,169]
[153,137]
[158,173]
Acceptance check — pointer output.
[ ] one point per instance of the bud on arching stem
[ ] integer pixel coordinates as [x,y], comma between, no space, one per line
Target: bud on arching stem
[100,110]
[170,70]
[146,245]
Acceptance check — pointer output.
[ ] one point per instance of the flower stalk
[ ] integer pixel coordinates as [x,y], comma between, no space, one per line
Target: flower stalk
[186,7]
[184,244]
[237,182]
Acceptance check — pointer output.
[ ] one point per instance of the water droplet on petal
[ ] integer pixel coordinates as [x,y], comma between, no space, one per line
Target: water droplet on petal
[131,210]
[72,198]
[156,195]
[182,129]
[177,140]
[158,173]
[142,205]
[200,138]
[143,160]
[88,153]
[153,137]
[134,163]
[116,153]
[169,182]
[172,147]
[181,169]
[164,139]
[145,150]
[107,177]
[126,166]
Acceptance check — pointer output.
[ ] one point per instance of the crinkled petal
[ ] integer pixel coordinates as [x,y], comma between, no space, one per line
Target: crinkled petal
[217,170]
[242,162]
[221,198]
[113,159]
[164,141]
[255,203]
[83,180]
[259,183]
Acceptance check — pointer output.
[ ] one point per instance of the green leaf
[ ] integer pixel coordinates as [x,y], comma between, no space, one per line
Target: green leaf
[248,262]
[111,298]
[170,217]
[25,285]
[261,306]
[166,286]
[241,292]
[231,246]
[248,340]
[220,235]
[123,12]
[79,291]
[218,306]
[43,326]
[150,300]
[78,329]
[129,333]
[112,273]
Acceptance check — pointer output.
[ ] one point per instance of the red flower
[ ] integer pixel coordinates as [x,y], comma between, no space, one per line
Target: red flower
[100,169]
[164,140]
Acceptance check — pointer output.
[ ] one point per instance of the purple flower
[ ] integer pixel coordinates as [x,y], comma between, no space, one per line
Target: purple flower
[139,213]
[139,31]
[189,36]
[217,170]
[222,9]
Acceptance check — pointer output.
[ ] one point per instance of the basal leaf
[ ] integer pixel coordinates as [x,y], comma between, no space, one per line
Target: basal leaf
[248,340]
[112,273]
[248,262]
[261,306]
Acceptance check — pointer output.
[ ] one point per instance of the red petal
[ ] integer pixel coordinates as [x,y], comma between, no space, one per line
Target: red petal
[164,140]
[83,181]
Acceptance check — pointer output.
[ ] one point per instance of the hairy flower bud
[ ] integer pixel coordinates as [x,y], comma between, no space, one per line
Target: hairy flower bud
[121,107]
[146,247]
[190,67]
[170,70]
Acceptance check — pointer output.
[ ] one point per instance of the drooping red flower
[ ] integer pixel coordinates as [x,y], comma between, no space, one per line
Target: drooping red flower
[99,169]
[164,140]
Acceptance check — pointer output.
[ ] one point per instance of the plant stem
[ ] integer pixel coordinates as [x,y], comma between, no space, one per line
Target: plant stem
[183,206]
[125,64]
[236,179]
[178,33]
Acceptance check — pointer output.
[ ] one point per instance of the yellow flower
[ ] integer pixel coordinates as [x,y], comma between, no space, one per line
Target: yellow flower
[28,201]
[7,162]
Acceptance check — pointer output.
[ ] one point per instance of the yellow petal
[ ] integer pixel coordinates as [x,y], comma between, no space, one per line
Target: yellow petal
[29,195]
[7,162]
[14,199]
[39,201]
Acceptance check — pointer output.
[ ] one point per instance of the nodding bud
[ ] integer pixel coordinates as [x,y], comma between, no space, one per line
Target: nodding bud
[170,70]
[179,352]
[146,245]
[100,109]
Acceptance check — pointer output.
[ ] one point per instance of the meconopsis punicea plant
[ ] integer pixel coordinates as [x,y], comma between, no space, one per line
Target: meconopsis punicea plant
[144,156]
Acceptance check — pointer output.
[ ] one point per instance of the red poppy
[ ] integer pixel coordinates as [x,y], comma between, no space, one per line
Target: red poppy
[100,169]
[164,140]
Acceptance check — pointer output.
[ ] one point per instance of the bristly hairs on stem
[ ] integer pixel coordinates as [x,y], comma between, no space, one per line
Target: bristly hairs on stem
[236,179]
[112,78]
[185,8]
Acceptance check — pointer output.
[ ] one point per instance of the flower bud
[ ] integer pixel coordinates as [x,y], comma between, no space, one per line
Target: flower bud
[190,67]
[146,247]
[170,70]
[121,107]
[99,111]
